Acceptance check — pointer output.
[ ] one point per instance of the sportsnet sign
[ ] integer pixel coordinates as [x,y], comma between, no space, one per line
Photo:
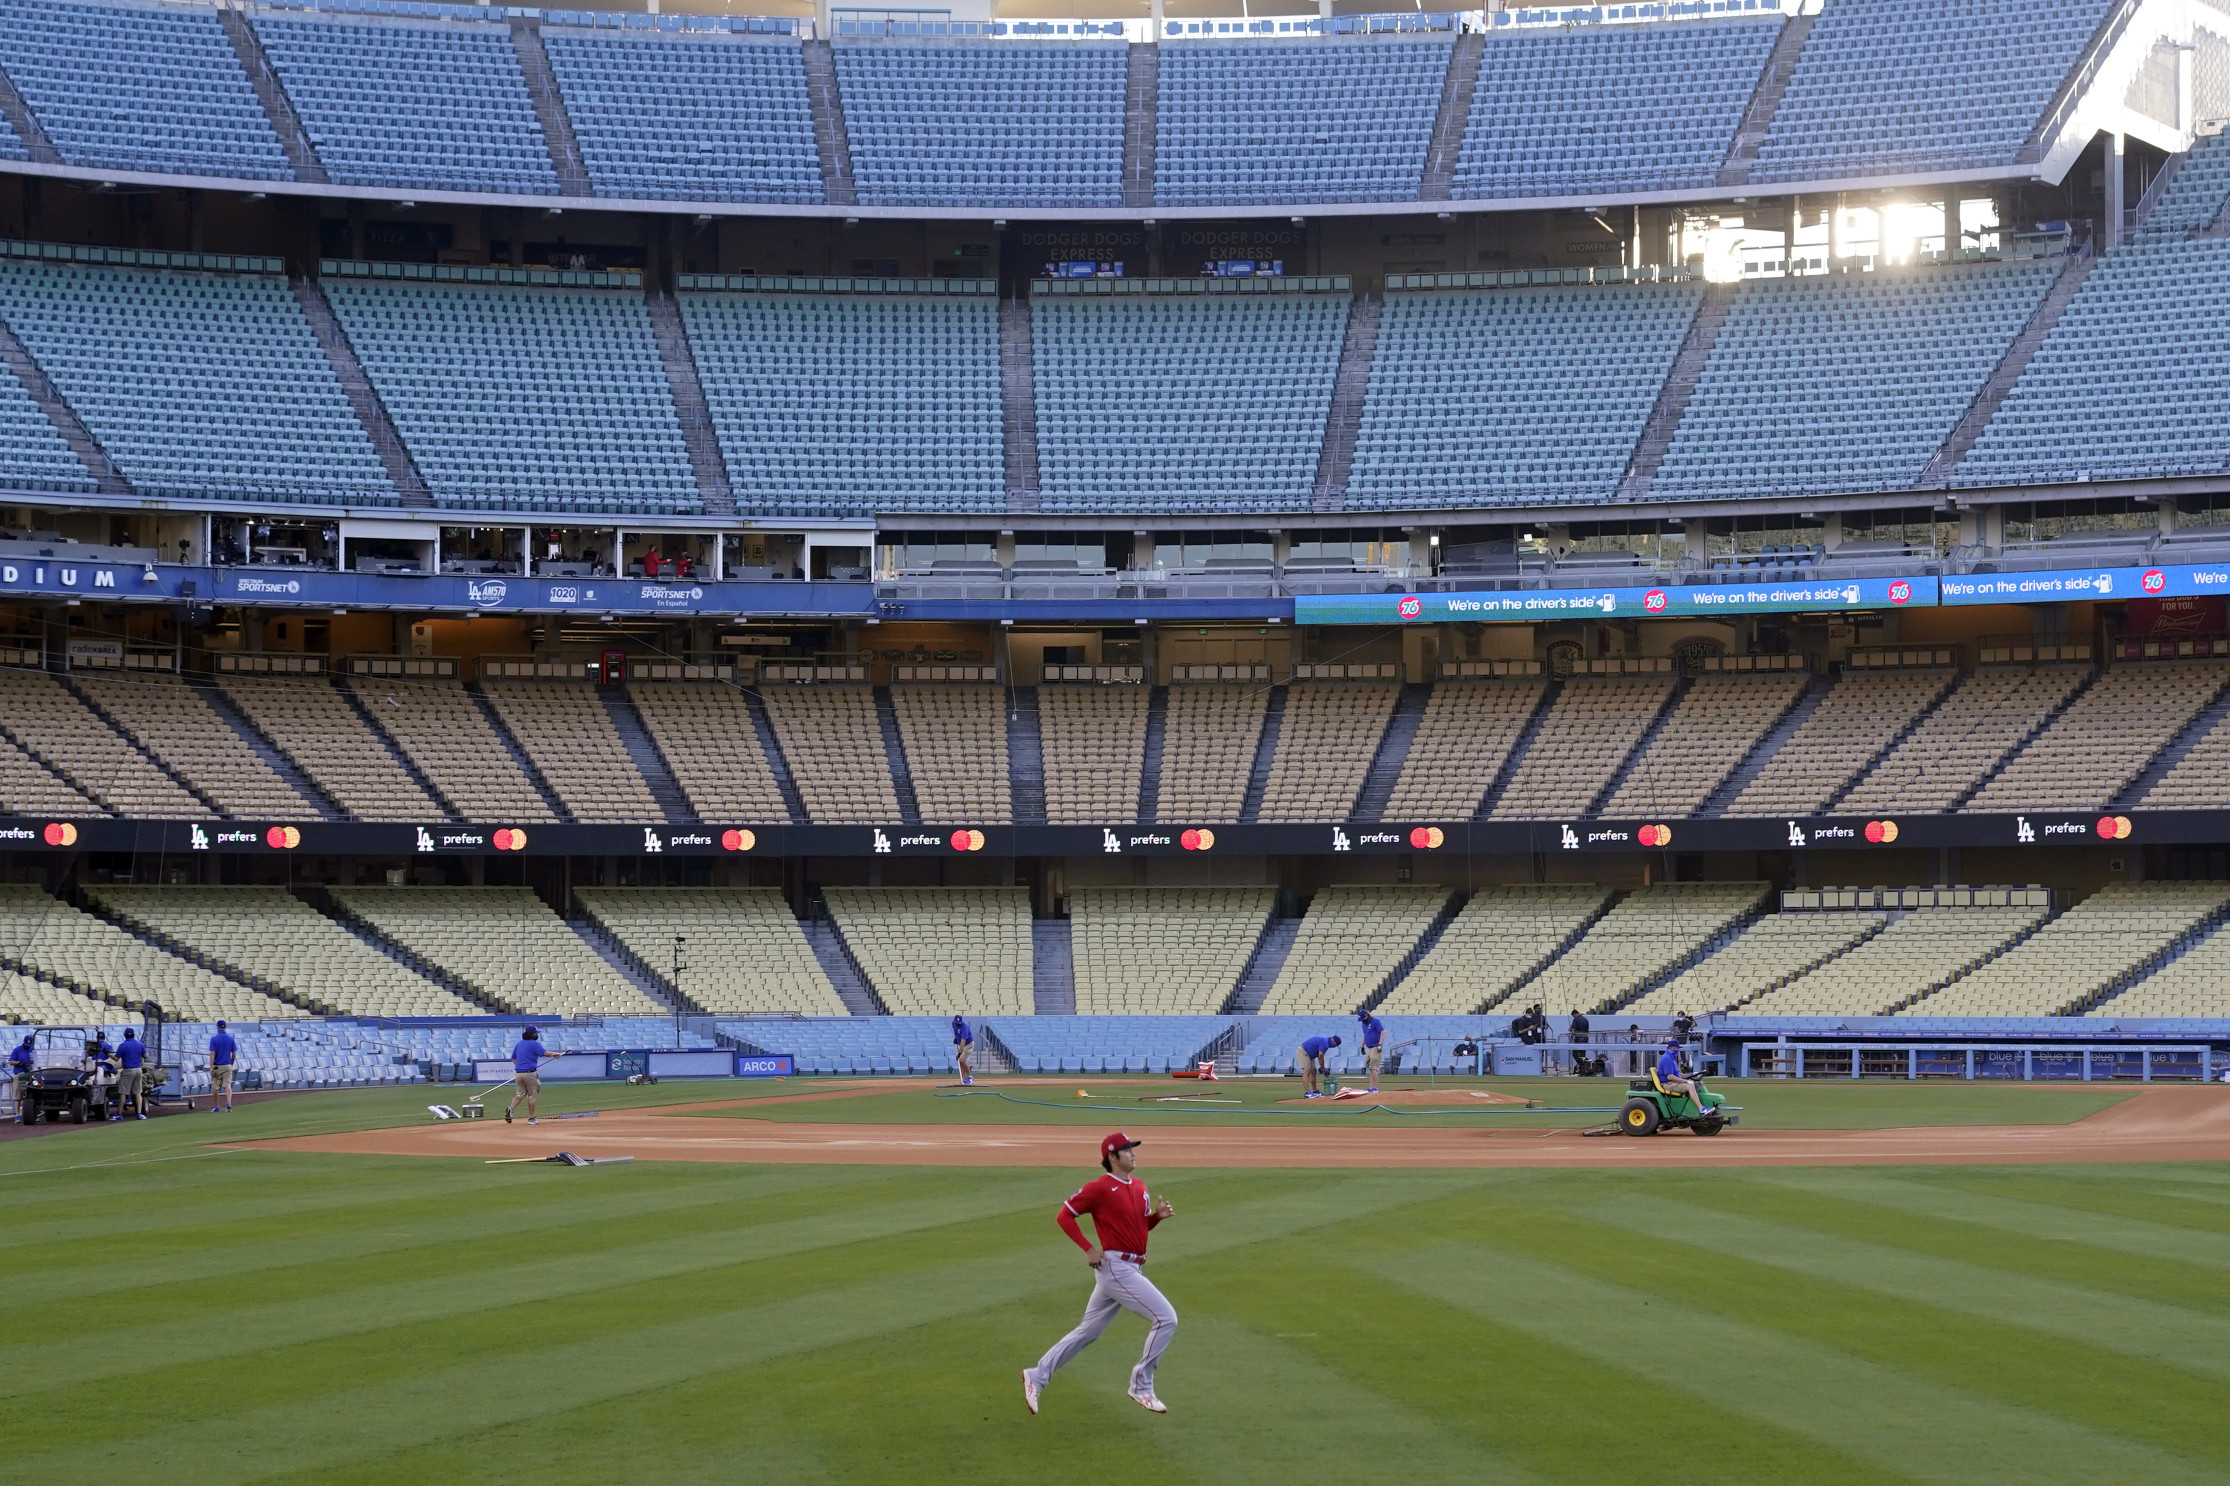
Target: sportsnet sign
[1616,603]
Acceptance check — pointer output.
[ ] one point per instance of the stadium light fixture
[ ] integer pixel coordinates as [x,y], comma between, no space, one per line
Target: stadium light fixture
[1300,221]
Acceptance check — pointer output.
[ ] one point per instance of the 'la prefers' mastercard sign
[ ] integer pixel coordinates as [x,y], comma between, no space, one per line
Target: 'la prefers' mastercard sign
[967,840]
[1654,836]
[1427,838]
[1201,840]
[2114,827]
[510,838]
[60,833]
[738,840]
[282,838]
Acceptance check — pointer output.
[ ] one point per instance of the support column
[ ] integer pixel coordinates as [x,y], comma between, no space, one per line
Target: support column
[1835,234]
[1634,233]
[2117,188]
[1788,237]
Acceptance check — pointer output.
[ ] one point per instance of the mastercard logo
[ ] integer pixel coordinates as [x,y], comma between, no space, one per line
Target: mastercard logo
[738,840]
[1411,607]
[1881,832]
[1427,838]
[2114,827]
[61,833]
[2154,580]
[1654,601]
[282,838]
[1197,840]
[1655,835]
[510,838]
[967,840]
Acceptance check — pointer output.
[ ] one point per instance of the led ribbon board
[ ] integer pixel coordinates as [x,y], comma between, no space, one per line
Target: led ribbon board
[1616,603]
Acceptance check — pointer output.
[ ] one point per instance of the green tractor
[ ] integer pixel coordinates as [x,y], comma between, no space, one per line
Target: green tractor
[1651,1109]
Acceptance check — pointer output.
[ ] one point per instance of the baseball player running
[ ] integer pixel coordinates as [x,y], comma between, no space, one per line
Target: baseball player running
[1122,1215]
[964,1049]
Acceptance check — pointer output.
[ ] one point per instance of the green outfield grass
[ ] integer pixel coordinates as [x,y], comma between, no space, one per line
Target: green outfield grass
[265,1316]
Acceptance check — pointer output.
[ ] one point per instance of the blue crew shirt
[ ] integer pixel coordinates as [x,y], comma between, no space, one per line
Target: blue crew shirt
[131,1052]
[1668,1064]
[526,1056]
[1374,1032]
[1317,1047]
[222,1048]
[23,1057]
[961,1036]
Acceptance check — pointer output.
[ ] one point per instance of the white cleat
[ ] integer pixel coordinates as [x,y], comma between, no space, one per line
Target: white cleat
[1149,1403]
[1030,1388]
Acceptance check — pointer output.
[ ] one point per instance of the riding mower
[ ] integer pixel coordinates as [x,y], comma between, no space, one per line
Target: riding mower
[1651,1109]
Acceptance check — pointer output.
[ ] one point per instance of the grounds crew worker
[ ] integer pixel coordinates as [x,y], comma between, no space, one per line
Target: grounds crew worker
[131,1059]
[964,1049]
[223,1051]
[527,1056]
[23,1060]
[1313,1069]
[1374,1045]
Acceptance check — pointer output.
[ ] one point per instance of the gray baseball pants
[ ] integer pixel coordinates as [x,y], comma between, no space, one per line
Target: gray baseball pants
[1121,1286]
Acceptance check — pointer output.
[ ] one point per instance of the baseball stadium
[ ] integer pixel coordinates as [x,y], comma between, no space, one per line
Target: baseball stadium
[1505,732]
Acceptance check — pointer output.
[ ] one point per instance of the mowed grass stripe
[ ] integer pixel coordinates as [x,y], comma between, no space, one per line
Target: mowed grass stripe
[1889,1418]
[304,1407]
[2162,1407]
[2172,1335]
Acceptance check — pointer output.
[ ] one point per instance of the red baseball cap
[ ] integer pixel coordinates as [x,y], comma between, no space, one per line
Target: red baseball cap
[1116,1142]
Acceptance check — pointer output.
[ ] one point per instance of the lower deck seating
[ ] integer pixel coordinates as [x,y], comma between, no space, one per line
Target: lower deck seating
[267,934]
[442,731]
[2115,931]
[1094,741]
[1712,729]
[1326,740]
[741,948]
[1650,933]
[1916,953]
[1460,746]
[1351,939]
[705,733]
[1771,952]
[1502,935]
[43,938]
[1107,1043]
[28,787]
[50,724]
[955,737]
[1167,950]
[2194,984]
[856,1045]
[504,942]
[1415,1044]
[833,741]
[1860,716]
[176,724]
[565,729]
[938,951]
[312,723]
[1962,740]
[1208,745]
[1588,732]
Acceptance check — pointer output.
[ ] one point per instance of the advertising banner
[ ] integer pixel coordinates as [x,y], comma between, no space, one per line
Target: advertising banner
[1616,603]
[2070,585]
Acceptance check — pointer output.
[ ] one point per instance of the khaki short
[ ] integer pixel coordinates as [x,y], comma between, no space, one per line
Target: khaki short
[220,1079]
[1372,1056]
[530,1084]
[127,1086]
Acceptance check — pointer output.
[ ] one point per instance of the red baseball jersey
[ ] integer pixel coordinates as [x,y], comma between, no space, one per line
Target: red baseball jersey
[1120,1212]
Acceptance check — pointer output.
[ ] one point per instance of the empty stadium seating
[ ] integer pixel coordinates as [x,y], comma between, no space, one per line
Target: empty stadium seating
[53,726]
[1166,401]
[1209,739]
[2105,738]
[856,1045]
[206,385]
[853,403]
[1327,737]
[1918,952]
[438,107]
[1245,123]
[11,143]
[1107,1043]
[523,398]
[1768,954]
[1833,357]
[1714,726]
[1037,124]
[1957,745]
[2200,779]
[1461,744]
[1611,108]
[1513,395]
[33,453]
[45,939]
[2112,933]
[28,787]
[136,87]
[1352,938]
[955,737]
[1500,938]
[268,935]
[697,119]
[1587,733]
[1867,98]
[833,742]
[1094,740]
[940,951]
[442,731]
[704,732]
[179,727]
[312,723]
[1651,932]
[1171,951]
[1862,715]
[2116,391]
[2194,984]
[742,952]
[503,942]
[2194,196]
[576,747]
[1417,1044]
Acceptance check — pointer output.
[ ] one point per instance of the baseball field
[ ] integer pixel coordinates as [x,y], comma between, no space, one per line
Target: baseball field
[840,1282]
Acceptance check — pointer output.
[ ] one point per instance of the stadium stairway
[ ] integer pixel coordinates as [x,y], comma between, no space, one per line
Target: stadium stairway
[107,478]
[1417,951]
[131,741]
[2167,759]
[301,154]
[642,751]
[1053,967]
[1696,956]
[549,103]
[830,137]
[409,959]
[1262,966]
[777,761]
[843,971]
[1149,767]
[1731,787]
[1025,756]
[1994,952]
[402,760]
[1897,740]
[2007,372]
[94,907]
[894,754]
[26,125]
[1456,92]
[1265,752]
[1393,752]
[1672,398]
[1018,393]
[363,398]
[1757,119]
[519,756]
[1640,748]
[1519,987]
[2150,966]
[1518,749]
[637,972]
[1141,129]
[1349,386]
[697,434]
[2044,726]
[263,748]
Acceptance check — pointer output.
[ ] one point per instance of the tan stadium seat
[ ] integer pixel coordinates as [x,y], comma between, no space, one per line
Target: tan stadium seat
[1165,951]
[2078,955]
[1770,953]
[743,951]
[42,716]
[28,787]
[1094,741]
[955,738]
[1352,937]
[1713,728]
[79,952]
[178,726]
[312,722]
[1461,744]
[1501,937]
[569,734]
[832,740]
[1587,733]
[1916,952]
[1983,719]
[2194,984]
[1862,715]
[934,951]
[1209,736]
[2200,780]
[1652,932]
[1326,740]
[2106,737]
[503,942]
[440,728]
[705,733]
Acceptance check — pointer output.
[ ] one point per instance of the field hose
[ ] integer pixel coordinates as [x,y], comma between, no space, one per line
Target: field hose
[1352,1106]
